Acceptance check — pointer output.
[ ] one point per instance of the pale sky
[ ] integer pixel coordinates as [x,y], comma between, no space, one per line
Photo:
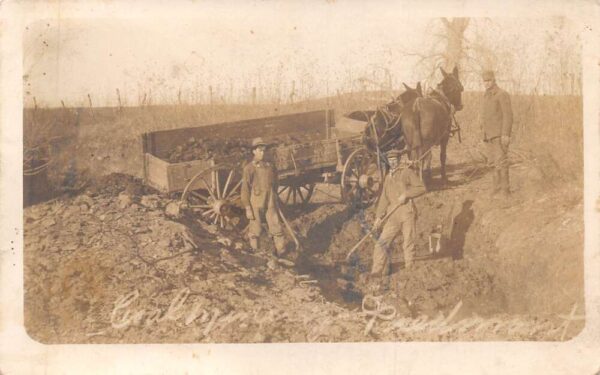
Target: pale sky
[323,51]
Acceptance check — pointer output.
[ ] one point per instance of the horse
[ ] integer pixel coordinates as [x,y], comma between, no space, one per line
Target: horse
[416,124]
[383,130]
[428,121]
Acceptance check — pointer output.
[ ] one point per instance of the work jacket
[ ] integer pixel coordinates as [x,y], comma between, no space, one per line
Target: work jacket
[497,115]
[259,185]
[397,182]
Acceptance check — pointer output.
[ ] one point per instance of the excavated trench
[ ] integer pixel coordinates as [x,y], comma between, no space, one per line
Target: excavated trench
[438,282]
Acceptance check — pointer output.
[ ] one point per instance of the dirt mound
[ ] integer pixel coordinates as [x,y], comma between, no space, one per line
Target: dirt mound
[433,285]
[115,183]
[104,270]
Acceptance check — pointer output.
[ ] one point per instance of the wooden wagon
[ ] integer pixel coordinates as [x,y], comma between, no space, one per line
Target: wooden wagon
[210,189]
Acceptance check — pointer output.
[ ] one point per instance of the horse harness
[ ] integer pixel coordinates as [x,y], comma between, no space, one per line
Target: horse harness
[391,122]
[440,97]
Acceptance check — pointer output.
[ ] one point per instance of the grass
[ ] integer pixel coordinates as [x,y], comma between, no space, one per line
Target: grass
[94,142]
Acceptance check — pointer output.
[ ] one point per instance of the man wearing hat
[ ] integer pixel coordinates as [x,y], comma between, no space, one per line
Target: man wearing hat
[497,118]
[400,186]
[259,197]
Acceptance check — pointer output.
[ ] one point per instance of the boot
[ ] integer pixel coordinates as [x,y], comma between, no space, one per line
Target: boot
[254,243]
[279,245]
[374,284]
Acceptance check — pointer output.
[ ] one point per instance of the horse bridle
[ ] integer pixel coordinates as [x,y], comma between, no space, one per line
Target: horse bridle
[453,89]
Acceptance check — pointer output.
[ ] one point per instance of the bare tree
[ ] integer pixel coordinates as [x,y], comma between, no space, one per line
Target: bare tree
[454,37]
[447,49]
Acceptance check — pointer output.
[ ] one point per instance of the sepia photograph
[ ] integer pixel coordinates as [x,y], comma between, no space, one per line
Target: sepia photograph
[287,187]
[255,173]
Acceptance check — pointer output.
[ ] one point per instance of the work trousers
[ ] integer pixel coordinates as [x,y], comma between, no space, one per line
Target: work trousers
[274,223]
[404,221]
[498,157]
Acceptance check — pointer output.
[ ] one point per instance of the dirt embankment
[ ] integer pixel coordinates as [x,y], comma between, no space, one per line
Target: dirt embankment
[112,266]
[524,256]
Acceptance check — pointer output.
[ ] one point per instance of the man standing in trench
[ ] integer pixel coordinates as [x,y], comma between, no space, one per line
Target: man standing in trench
[259,197]
[400,186]
[497,123]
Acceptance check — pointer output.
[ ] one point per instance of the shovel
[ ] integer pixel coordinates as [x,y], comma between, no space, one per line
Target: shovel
[289,228]
[370,233]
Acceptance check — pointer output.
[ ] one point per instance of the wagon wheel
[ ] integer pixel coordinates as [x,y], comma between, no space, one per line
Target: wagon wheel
[213,194]
[296,193]
[361,178]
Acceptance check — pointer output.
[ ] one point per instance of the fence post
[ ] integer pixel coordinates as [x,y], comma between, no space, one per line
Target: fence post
[254,95]
[119,99]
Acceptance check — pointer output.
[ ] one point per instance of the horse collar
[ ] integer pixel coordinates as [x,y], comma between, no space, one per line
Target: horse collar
[443,98]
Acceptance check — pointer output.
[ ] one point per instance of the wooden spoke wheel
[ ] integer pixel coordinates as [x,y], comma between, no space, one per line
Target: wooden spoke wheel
[214,194]
[296,193]
[362,178]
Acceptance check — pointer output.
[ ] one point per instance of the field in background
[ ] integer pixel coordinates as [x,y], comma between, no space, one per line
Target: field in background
[83,142]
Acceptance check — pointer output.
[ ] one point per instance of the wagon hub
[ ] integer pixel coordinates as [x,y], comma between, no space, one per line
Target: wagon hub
[365,181]
[220,206]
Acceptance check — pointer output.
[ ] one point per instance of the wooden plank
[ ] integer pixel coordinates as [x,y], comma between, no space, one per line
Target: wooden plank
[268,127]
[156,172]
[179,174]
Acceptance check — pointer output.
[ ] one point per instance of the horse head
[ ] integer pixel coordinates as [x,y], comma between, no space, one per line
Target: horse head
[452,88]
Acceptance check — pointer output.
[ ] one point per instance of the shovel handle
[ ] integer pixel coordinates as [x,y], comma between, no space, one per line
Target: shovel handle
[370,233]
[289,228]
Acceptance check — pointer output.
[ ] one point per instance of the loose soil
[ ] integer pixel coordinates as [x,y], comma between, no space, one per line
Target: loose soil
[109,265]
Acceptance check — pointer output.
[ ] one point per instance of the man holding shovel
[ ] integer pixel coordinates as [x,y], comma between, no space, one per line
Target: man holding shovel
[396,212]
[259,197]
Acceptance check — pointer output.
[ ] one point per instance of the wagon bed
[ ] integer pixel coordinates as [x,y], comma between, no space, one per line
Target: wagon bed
[210,188]
[319,152]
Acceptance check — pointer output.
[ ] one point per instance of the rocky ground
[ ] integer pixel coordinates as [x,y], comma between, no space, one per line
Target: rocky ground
[113,264]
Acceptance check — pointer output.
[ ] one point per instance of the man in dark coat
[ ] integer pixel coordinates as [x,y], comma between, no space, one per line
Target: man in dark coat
[497,120]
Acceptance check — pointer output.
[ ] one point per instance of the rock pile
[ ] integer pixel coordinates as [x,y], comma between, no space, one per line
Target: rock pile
[236,148]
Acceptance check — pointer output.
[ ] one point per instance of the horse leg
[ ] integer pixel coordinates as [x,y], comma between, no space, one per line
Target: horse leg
[443,146]
[427,168]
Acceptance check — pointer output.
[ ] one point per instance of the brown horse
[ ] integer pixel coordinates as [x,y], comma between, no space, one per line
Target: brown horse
[427,121]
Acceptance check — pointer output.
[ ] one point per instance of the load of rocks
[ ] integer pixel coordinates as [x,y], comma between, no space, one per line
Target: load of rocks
[217,148]
[207,148]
